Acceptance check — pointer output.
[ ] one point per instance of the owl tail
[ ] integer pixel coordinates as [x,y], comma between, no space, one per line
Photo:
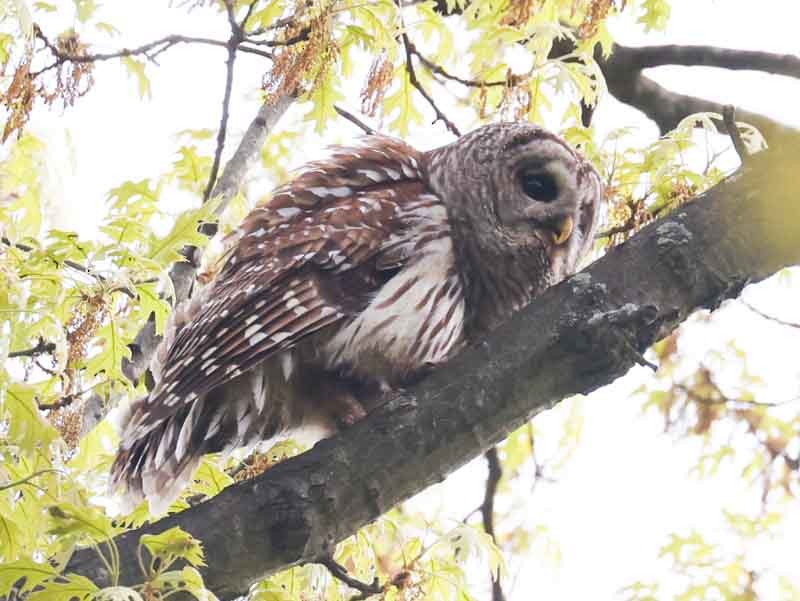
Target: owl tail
[157,463]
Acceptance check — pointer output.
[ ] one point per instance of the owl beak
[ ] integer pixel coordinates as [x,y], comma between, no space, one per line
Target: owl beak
[561,229]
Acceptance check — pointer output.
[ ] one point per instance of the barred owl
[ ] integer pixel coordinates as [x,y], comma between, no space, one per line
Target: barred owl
[362,272]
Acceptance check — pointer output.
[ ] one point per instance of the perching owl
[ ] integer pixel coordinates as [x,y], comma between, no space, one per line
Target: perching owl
[362,272]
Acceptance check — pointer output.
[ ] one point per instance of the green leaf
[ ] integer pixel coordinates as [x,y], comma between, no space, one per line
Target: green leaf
[264,17]
[136,70]
[192,169]
[150,302]
[655,14]
[173,544]
[323,99]
[165,250]
[12,536]
[65,588]
[26,571]
[26,426]
[84,9]
[96,450]
[107,28]
[401,102]
[114,348]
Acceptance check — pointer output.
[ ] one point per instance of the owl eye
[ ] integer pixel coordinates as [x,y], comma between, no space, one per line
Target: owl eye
[539,185]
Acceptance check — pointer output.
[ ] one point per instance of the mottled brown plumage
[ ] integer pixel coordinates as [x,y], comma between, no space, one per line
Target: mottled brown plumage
[360,273]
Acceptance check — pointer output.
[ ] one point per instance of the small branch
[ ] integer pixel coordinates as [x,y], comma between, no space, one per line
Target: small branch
[355,120]
[729,118]
[149,50]
[412,76]
[296,39]
[223,124]
[487,511]
[340,573]
[789,324]
[471,83]
[41,348]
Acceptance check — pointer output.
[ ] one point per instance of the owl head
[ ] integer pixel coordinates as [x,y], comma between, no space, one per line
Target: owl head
[516,192]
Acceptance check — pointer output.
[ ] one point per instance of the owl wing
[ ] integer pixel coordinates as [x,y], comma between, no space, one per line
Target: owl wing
[312,257]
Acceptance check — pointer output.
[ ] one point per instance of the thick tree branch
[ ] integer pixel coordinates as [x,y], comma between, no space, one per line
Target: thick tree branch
[711,56]
[627,83]
[576,337]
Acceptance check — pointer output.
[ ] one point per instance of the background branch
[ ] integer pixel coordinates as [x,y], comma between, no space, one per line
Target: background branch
[487,511]
[646,57]
[574,338]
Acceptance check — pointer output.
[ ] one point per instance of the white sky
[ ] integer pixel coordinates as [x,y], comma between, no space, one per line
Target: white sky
[627,486]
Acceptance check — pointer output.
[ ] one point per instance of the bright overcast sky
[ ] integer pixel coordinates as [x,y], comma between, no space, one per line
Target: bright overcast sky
[627,486]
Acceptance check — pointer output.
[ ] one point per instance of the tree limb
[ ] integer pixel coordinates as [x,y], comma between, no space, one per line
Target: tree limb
[627,83]
[576,337]
[711,56]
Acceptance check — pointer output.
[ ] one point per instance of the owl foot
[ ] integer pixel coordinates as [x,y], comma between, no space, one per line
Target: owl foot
[347,410]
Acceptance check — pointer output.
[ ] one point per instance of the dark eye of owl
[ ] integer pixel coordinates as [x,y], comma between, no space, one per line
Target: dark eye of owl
[539,185]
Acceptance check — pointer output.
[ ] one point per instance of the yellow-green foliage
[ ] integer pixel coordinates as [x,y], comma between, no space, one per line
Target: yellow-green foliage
[70,306]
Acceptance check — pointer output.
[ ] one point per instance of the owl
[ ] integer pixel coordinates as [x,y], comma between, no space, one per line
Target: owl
[363,272]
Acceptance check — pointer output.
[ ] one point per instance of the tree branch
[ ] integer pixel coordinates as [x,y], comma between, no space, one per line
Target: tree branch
[149,50]
[623,73]
[487,511]
[355,120]
[577,336]
[340,573]
[711,56]
[412,76]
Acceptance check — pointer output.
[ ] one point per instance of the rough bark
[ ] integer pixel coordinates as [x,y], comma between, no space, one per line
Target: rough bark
[578,336]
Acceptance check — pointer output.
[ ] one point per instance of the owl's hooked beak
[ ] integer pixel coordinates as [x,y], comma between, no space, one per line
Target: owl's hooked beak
[560,228]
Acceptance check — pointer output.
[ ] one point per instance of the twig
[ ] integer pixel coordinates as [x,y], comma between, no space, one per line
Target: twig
[729,118]
[69,263]
[41,348]
[471,83]
[296,39]
[487,511]
[355,120]
[340,573]
[412,76]
[30,477]
[777,320]
[149,50]
[223,123]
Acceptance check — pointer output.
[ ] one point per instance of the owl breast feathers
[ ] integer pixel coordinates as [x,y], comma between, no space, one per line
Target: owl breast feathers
[359,274]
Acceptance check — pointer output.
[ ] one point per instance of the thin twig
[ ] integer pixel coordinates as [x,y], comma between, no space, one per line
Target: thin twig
[777,320]
[471,83]
[412,77]
[729,118]
[355,120]
[487,511]
[223,124]
[41,348]
[340,573]
[149,50]
[295,39]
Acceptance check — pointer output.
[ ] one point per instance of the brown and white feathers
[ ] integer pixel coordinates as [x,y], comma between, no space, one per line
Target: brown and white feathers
[364,270]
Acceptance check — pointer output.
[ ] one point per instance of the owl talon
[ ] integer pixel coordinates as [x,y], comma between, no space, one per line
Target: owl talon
[347,411]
